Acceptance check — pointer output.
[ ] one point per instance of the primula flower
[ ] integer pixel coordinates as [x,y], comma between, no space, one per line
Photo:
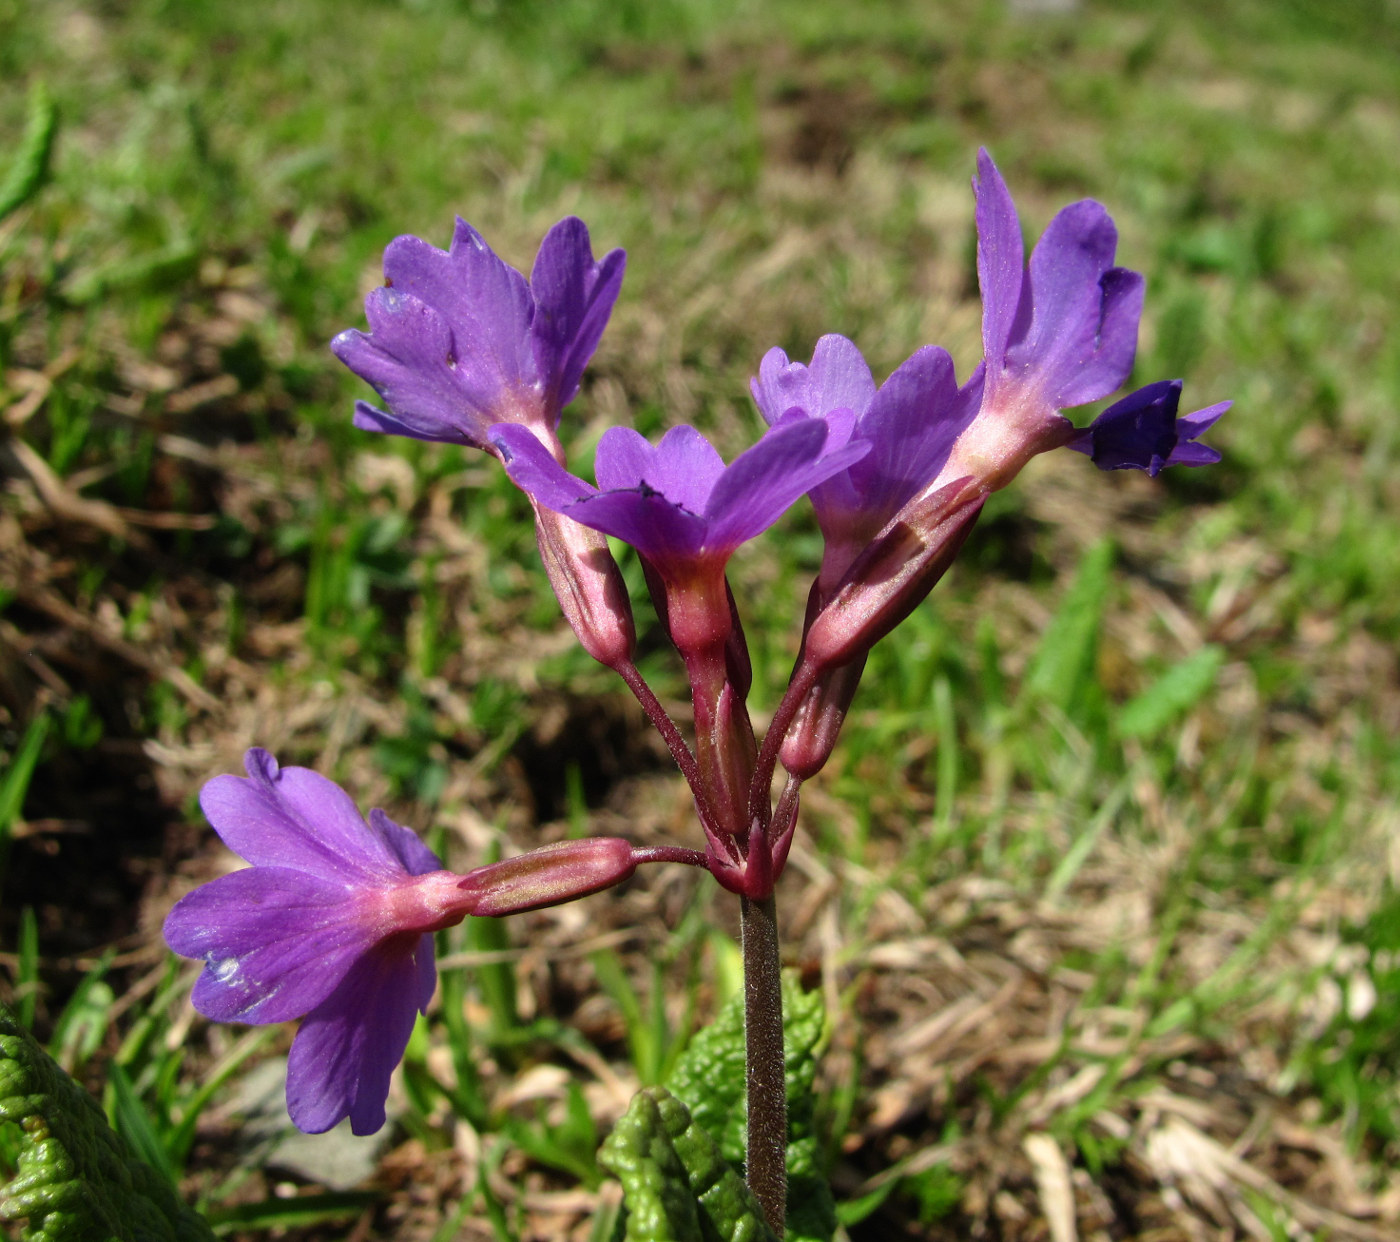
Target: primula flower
[910,423]
[1143,432]
[333,923]
[679,505]
[1058,332]
[459,340]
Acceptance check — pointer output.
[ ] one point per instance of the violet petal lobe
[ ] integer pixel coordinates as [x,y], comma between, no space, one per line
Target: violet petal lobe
[294,817]
[275,942]
[659,529]
[838,378]
[409,357]
[911,426]
[534,470]
[405,844]
[574,297]
[1083,332]
[1001,256]
[370,418]
[764,481]
[485,301]
[488,309]
[684,467]
[346,1050]
[636,514]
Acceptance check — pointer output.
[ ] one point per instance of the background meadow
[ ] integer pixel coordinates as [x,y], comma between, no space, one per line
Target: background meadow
[1100,886]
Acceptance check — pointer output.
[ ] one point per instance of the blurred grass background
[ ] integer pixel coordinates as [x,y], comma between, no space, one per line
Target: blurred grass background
[1108,851]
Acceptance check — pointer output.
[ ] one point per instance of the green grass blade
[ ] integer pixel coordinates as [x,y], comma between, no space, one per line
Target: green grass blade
[30,167]
[1064,661]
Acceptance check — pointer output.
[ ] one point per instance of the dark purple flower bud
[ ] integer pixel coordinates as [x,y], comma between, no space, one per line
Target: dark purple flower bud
[333,923]
[459,340]
[1143,432]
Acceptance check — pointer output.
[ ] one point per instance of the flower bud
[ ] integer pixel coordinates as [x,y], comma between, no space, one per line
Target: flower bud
[890,578]
[549,876]
[588,585]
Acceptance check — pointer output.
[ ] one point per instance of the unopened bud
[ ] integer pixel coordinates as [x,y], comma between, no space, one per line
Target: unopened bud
[589,586]
[893,575]
[812,735]
[549,876]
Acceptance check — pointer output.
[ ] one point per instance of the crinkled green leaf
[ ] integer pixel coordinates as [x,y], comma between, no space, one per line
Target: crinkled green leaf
[76,1179]
[709,1079]
[677,1183]
[30,167]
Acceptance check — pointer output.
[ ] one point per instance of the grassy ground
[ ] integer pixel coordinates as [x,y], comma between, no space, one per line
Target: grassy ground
[1100,886]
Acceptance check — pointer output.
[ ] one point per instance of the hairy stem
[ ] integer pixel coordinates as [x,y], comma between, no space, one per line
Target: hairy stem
[763,1037]
[675,743]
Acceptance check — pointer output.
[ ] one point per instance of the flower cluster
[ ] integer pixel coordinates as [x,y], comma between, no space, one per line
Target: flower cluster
[332,922]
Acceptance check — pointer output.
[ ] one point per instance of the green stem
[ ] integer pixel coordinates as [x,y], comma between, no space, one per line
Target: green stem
[763,1036]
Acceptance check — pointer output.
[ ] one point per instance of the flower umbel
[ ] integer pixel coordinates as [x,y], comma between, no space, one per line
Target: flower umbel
[333,924]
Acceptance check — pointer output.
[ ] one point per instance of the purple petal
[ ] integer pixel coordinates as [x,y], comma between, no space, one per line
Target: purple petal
[1186,454]
[405,844]
[574,298]
[649,521]
[275,942]
[368,418]
[1083,330]
[1000,258]
[837,379]
[485,301]
[911,426]
[346,1050]
[409,358]
[1194,425]
[293,817]
[684,467]
[534,470]
[765,480]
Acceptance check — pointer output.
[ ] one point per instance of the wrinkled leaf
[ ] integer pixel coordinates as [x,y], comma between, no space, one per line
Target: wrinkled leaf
[677,1183]
[709,1081]
[76,1179]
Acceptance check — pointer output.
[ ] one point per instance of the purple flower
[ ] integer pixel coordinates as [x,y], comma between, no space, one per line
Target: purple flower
[1059,332]
[1143,432]
[332,923]
[910,423]
[329,924]
[458,340]
[677,503]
